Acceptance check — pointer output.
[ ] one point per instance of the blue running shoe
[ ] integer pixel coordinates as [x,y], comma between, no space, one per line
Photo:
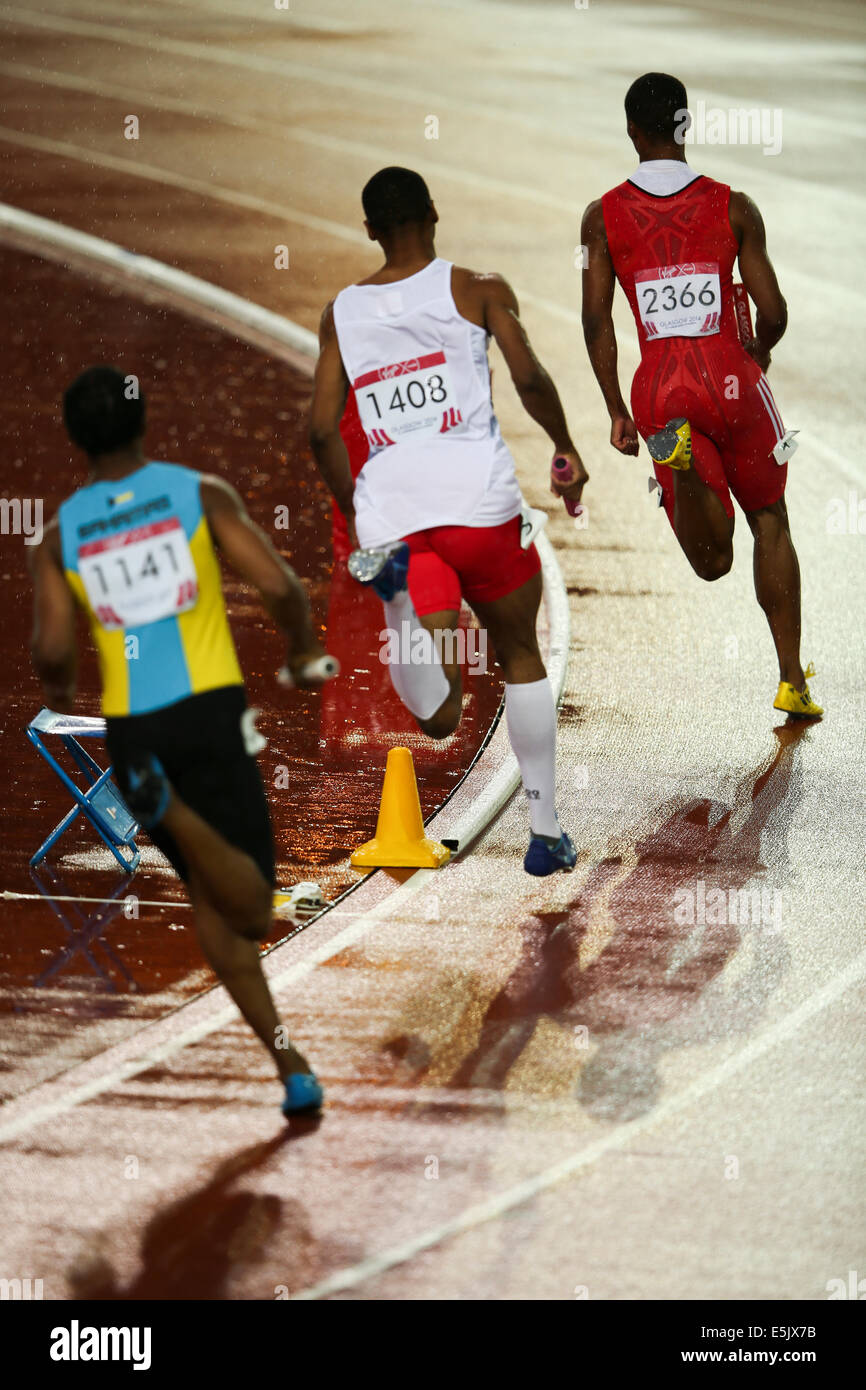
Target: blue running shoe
[386,571]
[303,1093]
[542,859]
[148,791]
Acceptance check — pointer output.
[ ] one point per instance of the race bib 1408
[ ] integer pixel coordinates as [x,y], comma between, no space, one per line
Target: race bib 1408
[139,576]
[413,399]
[680,301]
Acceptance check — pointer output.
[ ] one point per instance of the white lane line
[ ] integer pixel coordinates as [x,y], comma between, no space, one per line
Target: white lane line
[473,180]
[276,330]
[466,825]
[343,80]
[135,168]
[843,294]
[354,236]
[664,13]
[9,896]
[233,197]
[49,1110]
[525,1191]
[561,128]
[268,331]
[376,154]
[243,315]
[236,198]
[821,19]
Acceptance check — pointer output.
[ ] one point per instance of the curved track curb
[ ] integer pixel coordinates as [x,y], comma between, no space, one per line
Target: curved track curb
[493,776]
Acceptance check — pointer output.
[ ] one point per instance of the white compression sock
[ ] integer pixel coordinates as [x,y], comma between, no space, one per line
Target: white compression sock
[418,678]
[531,717]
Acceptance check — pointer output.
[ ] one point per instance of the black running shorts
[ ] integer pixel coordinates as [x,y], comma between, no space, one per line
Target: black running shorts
[200,744]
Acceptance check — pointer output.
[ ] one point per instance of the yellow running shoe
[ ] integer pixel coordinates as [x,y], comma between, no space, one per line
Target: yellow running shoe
[799,703]
[672,446]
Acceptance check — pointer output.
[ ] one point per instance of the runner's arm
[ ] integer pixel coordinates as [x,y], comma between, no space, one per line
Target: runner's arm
[534,386]
[330,390]
[53,646]
[599,334]
[759,277]
[249,551]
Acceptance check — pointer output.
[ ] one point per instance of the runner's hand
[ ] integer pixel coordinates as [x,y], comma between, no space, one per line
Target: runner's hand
[298,660]
[760,354]
[573,489]
[623,434]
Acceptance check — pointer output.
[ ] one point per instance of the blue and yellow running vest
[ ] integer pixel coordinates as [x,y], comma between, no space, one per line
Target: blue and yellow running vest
[139,558]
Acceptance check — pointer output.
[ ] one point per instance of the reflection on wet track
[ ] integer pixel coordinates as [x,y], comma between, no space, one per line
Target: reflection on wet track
[643,1080]
[216,404]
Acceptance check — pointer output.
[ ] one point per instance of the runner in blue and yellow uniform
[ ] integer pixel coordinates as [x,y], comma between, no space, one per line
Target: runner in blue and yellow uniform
[136,549]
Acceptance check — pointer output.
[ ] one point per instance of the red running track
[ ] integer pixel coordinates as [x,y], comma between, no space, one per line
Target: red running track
[78,976]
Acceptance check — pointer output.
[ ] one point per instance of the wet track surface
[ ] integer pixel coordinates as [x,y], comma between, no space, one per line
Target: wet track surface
[217,404]
[642,1080]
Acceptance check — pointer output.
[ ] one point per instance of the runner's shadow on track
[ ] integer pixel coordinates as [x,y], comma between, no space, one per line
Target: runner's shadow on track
[631,967]
[190,1248]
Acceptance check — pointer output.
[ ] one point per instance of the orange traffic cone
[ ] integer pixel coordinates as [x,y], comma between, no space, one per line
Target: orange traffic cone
[399,842]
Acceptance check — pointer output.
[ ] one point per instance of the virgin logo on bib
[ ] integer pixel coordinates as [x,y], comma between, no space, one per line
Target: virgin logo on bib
[412,399]
[139,576]
[680,301]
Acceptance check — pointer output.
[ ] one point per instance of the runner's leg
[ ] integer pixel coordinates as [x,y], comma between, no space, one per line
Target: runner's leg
[510,625]
[758,483]
[228,878]
[443,628]
[417,674]
[696,499]
[777,586]
[429,687]
[232,902]
[235,959]
[530,710]
[701,524]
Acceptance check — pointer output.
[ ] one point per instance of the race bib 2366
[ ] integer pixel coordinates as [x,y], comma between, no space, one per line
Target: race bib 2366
[680,301]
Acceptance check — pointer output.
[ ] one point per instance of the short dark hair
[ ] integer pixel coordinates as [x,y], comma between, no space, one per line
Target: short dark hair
[655,103]
[394,197]
[102,411]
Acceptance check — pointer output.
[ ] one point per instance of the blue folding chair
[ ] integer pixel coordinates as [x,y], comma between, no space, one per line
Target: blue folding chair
[87,927]
[99,799]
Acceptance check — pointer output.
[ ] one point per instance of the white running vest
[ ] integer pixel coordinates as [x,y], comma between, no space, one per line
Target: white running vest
[422,383]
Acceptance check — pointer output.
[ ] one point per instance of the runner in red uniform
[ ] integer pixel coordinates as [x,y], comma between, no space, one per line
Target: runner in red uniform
[699,397]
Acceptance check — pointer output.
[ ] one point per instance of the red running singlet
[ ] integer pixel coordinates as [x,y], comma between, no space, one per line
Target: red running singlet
[674,257]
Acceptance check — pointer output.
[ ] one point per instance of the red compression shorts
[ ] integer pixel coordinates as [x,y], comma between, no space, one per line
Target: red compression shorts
[478,563]
[735,422]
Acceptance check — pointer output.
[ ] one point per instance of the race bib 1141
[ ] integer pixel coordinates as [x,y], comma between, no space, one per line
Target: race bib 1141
[680,301]
[139,576]
[408,400]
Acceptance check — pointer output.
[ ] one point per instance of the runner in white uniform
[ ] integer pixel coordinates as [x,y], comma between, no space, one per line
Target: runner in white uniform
[422,384]
[438,496]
